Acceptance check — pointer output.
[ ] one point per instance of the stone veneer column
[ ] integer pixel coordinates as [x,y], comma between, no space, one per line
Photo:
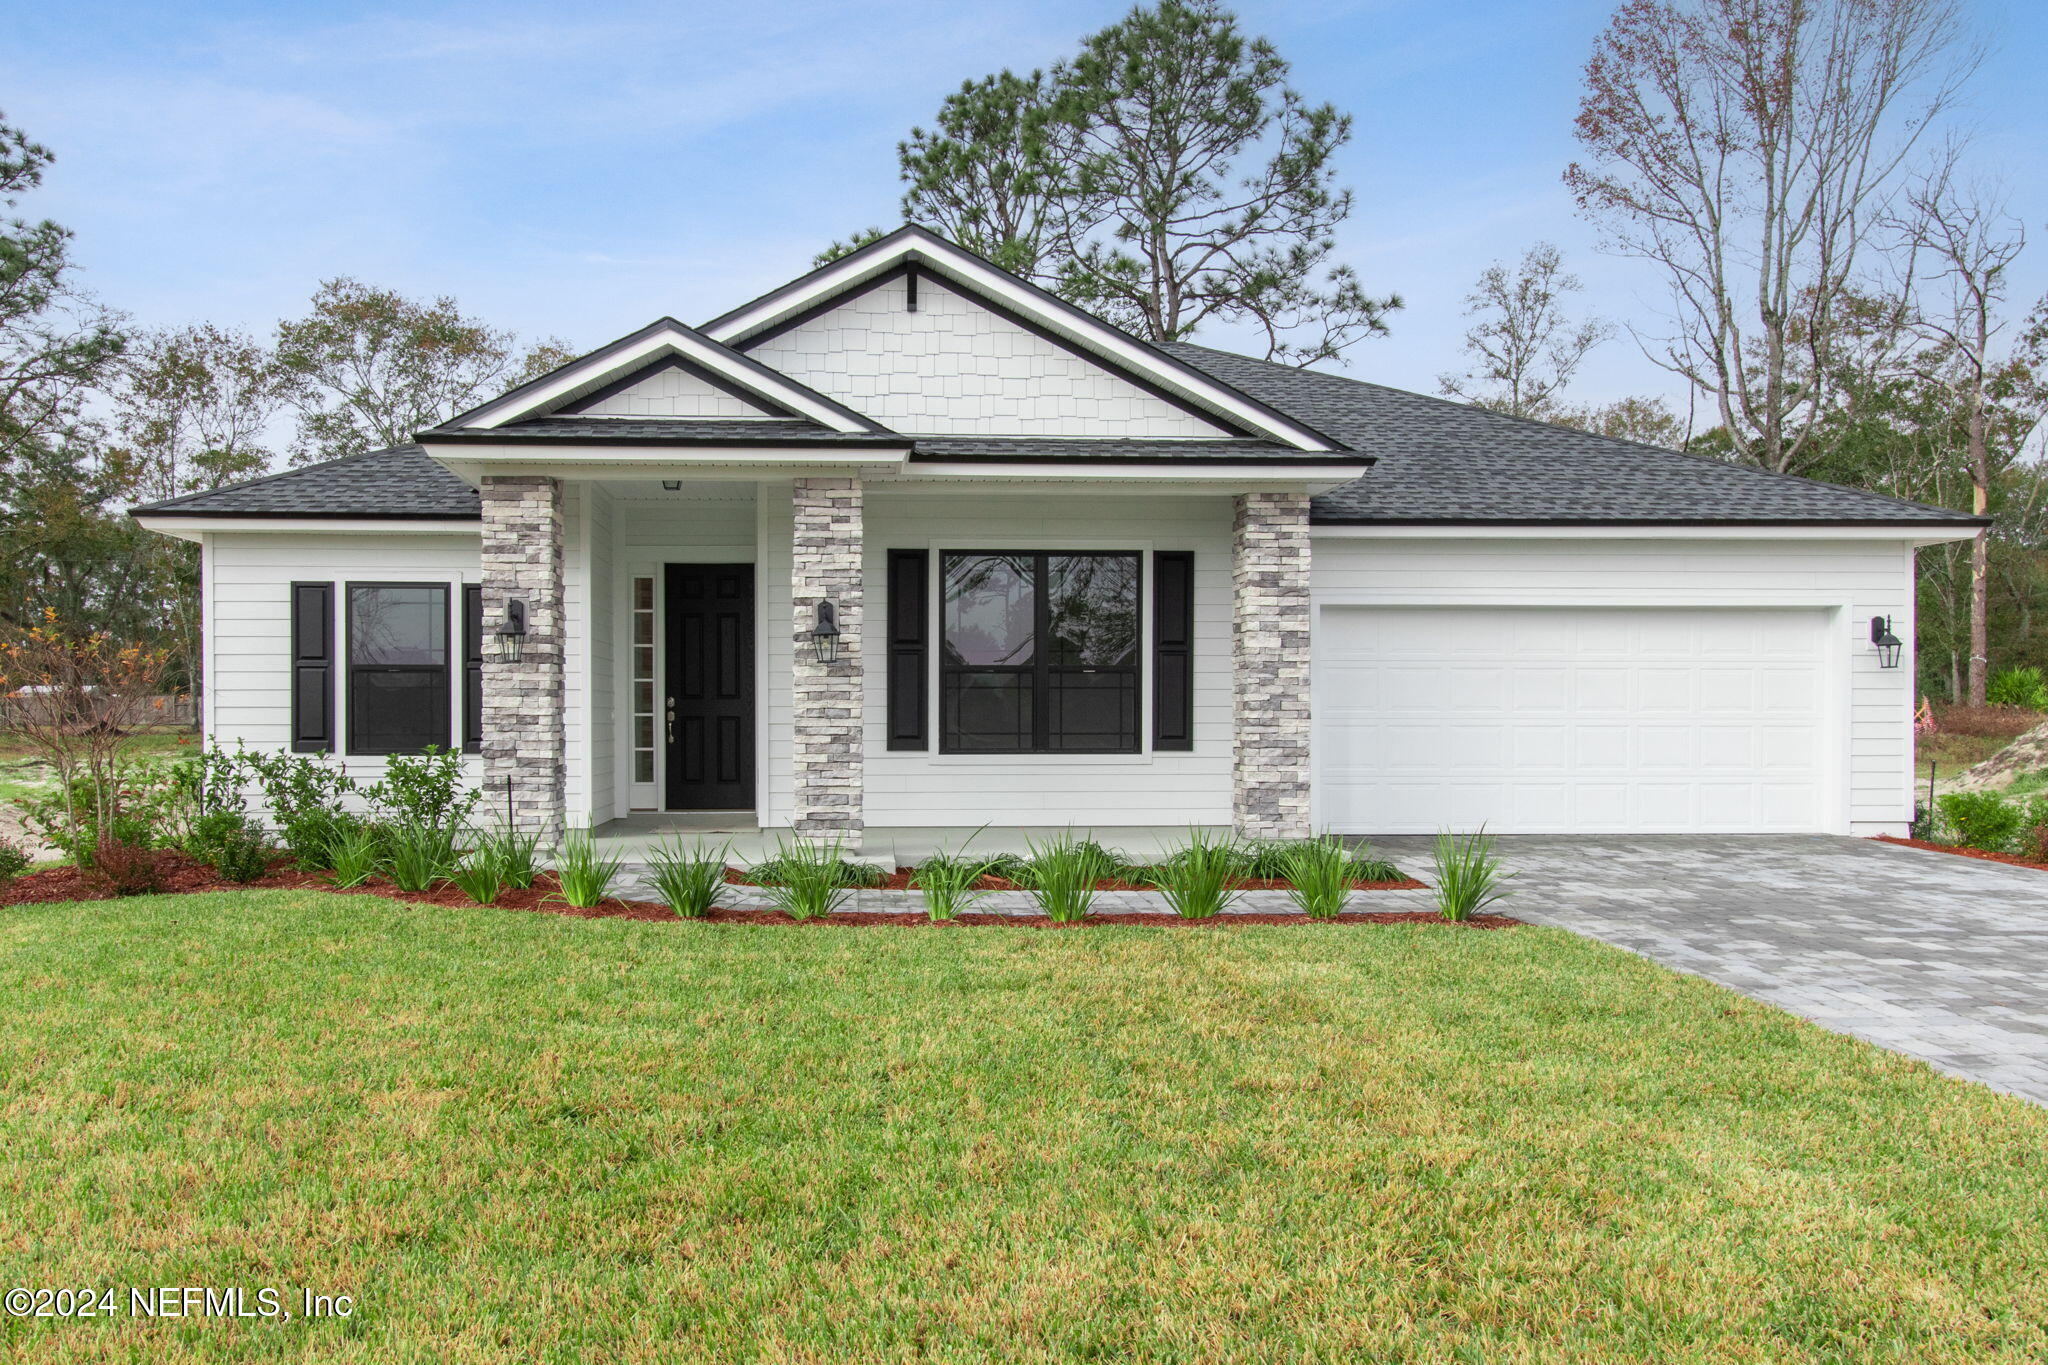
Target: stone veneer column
[828,697]
[523,702]
[1269,634]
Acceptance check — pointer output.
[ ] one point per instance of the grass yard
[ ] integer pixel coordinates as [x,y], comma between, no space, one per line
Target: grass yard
[526,1137]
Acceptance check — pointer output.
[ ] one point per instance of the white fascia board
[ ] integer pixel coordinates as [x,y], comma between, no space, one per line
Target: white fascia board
[666,341]
[196,528]
[1267,476]
[960,267]
[1917,535]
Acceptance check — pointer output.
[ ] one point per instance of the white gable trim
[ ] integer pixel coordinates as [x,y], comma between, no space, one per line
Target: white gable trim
[664,338]
[967,272]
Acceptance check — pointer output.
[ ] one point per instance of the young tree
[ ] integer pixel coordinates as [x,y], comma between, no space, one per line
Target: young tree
[367,367]
[55,342]
[1526,347]
[1745,147]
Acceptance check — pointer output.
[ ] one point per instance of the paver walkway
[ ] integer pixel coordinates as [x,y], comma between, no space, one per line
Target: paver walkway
[1939,957]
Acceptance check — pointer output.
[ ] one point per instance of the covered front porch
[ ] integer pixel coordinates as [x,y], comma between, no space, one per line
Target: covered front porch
[743,656]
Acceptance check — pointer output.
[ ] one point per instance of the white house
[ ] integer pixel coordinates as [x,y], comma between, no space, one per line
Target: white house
[1075,578]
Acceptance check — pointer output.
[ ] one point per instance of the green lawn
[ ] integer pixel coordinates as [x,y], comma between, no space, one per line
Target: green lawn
[522,1137]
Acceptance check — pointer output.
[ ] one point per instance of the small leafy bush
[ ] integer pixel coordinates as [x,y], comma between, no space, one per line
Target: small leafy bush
[307,796]
[417,856]
[1468,875]
[2023,687]
[1201,880]
[423,789]
[951,883]
[356,856]
[1980,820]
[585,875]
[478,877]
[14,861]
[688,879]
[121,868]
[516,855]
[77,820]
[1062,873]
[1320,873]
[231,844]
[809,878]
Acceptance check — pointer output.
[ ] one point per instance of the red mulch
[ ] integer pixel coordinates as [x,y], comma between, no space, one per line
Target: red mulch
[181,875]
[901,880]
[2009,859]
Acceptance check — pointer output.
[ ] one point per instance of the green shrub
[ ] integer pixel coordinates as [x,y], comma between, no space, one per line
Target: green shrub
[356,856]
[516,855]
[1062,874]
[231,844]
[2023,687]
[422,789]
[949,882]
[478,877]
[585,875]
[307,798]
[1981,820]
[775,871]
[1468,875]
[1319,872]
[688,880]
[14,861]
[1200,880]
[69,818]
[417,856]
[809,878]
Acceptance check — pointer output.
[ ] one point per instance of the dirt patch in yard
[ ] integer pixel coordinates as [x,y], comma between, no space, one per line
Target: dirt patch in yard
[2009,859]
[182,875]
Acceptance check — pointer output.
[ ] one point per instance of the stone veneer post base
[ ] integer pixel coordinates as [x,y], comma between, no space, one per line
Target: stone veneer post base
[524,702]
[827,729]
[1269,635]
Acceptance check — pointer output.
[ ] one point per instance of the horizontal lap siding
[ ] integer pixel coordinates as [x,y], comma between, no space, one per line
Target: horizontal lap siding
[907,788]
[1874,577]
[248,634]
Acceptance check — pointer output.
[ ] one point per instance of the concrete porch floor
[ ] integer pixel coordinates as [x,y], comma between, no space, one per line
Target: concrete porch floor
[888,846]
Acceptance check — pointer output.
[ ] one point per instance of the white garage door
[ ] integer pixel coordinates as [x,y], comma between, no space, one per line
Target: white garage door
[1554,720]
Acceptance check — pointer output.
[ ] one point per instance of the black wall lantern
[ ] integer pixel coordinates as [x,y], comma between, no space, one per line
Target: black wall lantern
[510,636]
[1889,646]
[825,637]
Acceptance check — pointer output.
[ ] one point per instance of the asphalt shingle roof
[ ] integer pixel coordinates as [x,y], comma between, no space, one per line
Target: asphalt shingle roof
[1440,461]
[1437,462]
[400,482]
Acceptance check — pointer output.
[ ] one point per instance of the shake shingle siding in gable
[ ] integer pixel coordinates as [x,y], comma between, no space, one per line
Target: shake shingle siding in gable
[1439,461]
[954,367]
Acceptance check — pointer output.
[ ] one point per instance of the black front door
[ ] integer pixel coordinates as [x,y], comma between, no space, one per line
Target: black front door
[710,698]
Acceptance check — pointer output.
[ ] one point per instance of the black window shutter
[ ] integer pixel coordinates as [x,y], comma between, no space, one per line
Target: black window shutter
[472,668]
[312,668]
[909,643]
[1173,649]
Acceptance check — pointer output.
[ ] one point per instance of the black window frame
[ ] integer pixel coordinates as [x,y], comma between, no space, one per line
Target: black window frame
[445,691]
[1041,669]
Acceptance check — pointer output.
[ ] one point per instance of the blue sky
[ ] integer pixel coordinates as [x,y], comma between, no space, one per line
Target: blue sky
[573,172]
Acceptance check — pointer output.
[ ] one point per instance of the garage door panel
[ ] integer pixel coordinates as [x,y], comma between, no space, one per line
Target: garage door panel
[1568,719]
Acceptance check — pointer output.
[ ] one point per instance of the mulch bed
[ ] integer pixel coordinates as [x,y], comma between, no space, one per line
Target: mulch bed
[2010,860]
[181,875]
[900,880]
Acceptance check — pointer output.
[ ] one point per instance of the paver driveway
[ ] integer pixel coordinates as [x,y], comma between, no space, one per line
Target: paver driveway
[1939,957]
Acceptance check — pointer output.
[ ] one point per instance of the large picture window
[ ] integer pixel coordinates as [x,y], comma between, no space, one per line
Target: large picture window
[398,692]
[1040,652]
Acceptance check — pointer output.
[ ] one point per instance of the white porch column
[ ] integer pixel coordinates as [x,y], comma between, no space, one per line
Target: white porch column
[524,701]
[1269,634]
[826,567]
